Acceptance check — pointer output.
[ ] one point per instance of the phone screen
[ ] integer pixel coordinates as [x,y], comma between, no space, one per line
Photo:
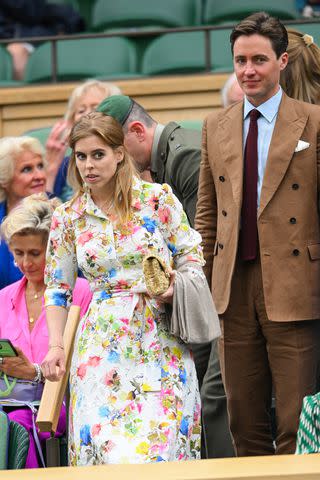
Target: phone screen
[7,349]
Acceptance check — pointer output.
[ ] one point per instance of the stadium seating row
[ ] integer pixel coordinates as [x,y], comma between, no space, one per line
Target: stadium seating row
[120,57]
[101,15]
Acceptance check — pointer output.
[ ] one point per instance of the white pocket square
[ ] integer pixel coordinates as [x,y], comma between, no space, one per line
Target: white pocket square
[302,146]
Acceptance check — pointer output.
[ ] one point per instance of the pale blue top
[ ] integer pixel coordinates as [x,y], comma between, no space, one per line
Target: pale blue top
[266,123]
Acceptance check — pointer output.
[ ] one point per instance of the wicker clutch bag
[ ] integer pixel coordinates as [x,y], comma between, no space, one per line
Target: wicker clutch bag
[156,274]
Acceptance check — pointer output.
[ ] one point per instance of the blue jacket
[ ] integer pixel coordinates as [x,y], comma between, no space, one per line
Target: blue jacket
[9,273]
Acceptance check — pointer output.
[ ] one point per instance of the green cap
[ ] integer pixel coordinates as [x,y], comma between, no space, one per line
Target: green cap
[116,106]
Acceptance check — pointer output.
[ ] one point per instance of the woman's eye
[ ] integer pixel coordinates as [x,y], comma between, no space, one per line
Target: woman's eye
[98,155]
[26,170]
[40,166]
[80,156]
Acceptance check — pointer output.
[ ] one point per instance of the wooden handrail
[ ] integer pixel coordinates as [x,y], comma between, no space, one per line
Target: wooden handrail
[280,467]
[53,392]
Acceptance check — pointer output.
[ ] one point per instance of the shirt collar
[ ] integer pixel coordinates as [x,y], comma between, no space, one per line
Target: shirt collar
[156,138]
[18,292]
[267,109]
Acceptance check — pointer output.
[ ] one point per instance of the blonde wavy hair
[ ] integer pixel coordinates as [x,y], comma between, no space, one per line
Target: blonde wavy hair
[10,149]
[301,77]
[32,216]
[111,133]
[106,88]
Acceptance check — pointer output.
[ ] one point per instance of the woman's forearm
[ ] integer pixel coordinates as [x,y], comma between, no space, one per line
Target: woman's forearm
[56,322]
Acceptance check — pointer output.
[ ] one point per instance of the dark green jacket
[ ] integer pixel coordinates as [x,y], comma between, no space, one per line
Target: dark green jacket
[177,163]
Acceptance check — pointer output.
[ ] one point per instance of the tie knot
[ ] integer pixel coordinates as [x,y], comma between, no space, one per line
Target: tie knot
[254,115]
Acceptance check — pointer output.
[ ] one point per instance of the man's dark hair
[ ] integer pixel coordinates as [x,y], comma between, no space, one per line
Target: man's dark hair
[262,23]
[138,113]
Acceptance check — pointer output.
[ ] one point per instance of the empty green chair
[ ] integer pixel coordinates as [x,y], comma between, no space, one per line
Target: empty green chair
[113,57]
[5,66]
[231,11]
[181,52]
[18,446]
[124,14]
[184,52]
[221,57]
[4,440]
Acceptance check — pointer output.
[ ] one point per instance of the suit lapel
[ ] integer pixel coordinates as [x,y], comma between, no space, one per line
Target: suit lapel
[230,135]
[287,132]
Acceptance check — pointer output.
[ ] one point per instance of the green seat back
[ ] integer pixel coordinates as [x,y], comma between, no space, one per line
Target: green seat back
[221,56]
[310,28]
[85,8]
[191,124]
[40,133]
[217,11]
[5,65]
[84,58]
[181,52]
[4,440]
[18,446]
[141,13]
[184,52]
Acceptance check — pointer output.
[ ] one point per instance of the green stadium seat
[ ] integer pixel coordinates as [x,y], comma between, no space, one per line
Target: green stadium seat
[231,11]
[191,124]
[184,52]
[5,65]
[18,446]
[4,440]
[123,14]
[40,134]
[310,28]
[107,58]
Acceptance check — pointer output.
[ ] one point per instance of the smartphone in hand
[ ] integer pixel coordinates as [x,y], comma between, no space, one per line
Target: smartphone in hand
[7,349]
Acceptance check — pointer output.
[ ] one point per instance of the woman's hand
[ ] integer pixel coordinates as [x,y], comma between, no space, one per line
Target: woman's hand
[54,364]
[56,147]
[19,367]
[167,297]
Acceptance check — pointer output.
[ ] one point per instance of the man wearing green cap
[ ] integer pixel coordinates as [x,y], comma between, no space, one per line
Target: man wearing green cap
[171,154]
[164,154]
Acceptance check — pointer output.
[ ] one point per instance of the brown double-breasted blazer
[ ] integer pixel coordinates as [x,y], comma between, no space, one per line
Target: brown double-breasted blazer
[288,215]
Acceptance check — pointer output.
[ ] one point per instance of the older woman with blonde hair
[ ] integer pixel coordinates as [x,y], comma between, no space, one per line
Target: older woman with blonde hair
[22,173]
[301,77]
[22,314]
[83,99]
[133,385]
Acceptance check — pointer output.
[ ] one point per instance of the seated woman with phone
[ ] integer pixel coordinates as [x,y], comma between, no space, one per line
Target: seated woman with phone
[23,329]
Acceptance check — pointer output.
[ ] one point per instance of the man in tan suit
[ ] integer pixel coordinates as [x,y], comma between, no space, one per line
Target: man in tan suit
[258,215]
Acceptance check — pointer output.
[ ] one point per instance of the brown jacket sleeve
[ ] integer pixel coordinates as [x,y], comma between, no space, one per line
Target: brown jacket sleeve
[206,213]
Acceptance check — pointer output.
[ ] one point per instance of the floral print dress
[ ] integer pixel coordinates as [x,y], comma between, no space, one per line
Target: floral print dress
[134,390]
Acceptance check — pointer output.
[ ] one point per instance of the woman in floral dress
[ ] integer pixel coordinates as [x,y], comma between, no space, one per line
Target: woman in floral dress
[134,390]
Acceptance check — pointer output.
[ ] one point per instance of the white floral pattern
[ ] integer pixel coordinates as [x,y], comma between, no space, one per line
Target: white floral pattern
[134,390]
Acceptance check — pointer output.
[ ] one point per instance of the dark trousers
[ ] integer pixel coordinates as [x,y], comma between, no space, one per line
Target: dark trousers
[216,438]
[256,353]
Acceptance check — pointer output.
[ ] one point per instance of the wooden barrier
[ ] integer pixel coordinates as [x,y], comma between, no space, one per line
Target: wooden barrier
[286,467]
[183,97]
[53,392]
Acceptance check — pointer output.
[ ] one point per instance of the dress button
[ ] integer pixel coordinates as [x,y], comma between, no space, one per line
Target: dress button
[295,186]
[293,220]
[172,137]
[221,178]
[162,155]
[224,213]
[296,252]
[220,245]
